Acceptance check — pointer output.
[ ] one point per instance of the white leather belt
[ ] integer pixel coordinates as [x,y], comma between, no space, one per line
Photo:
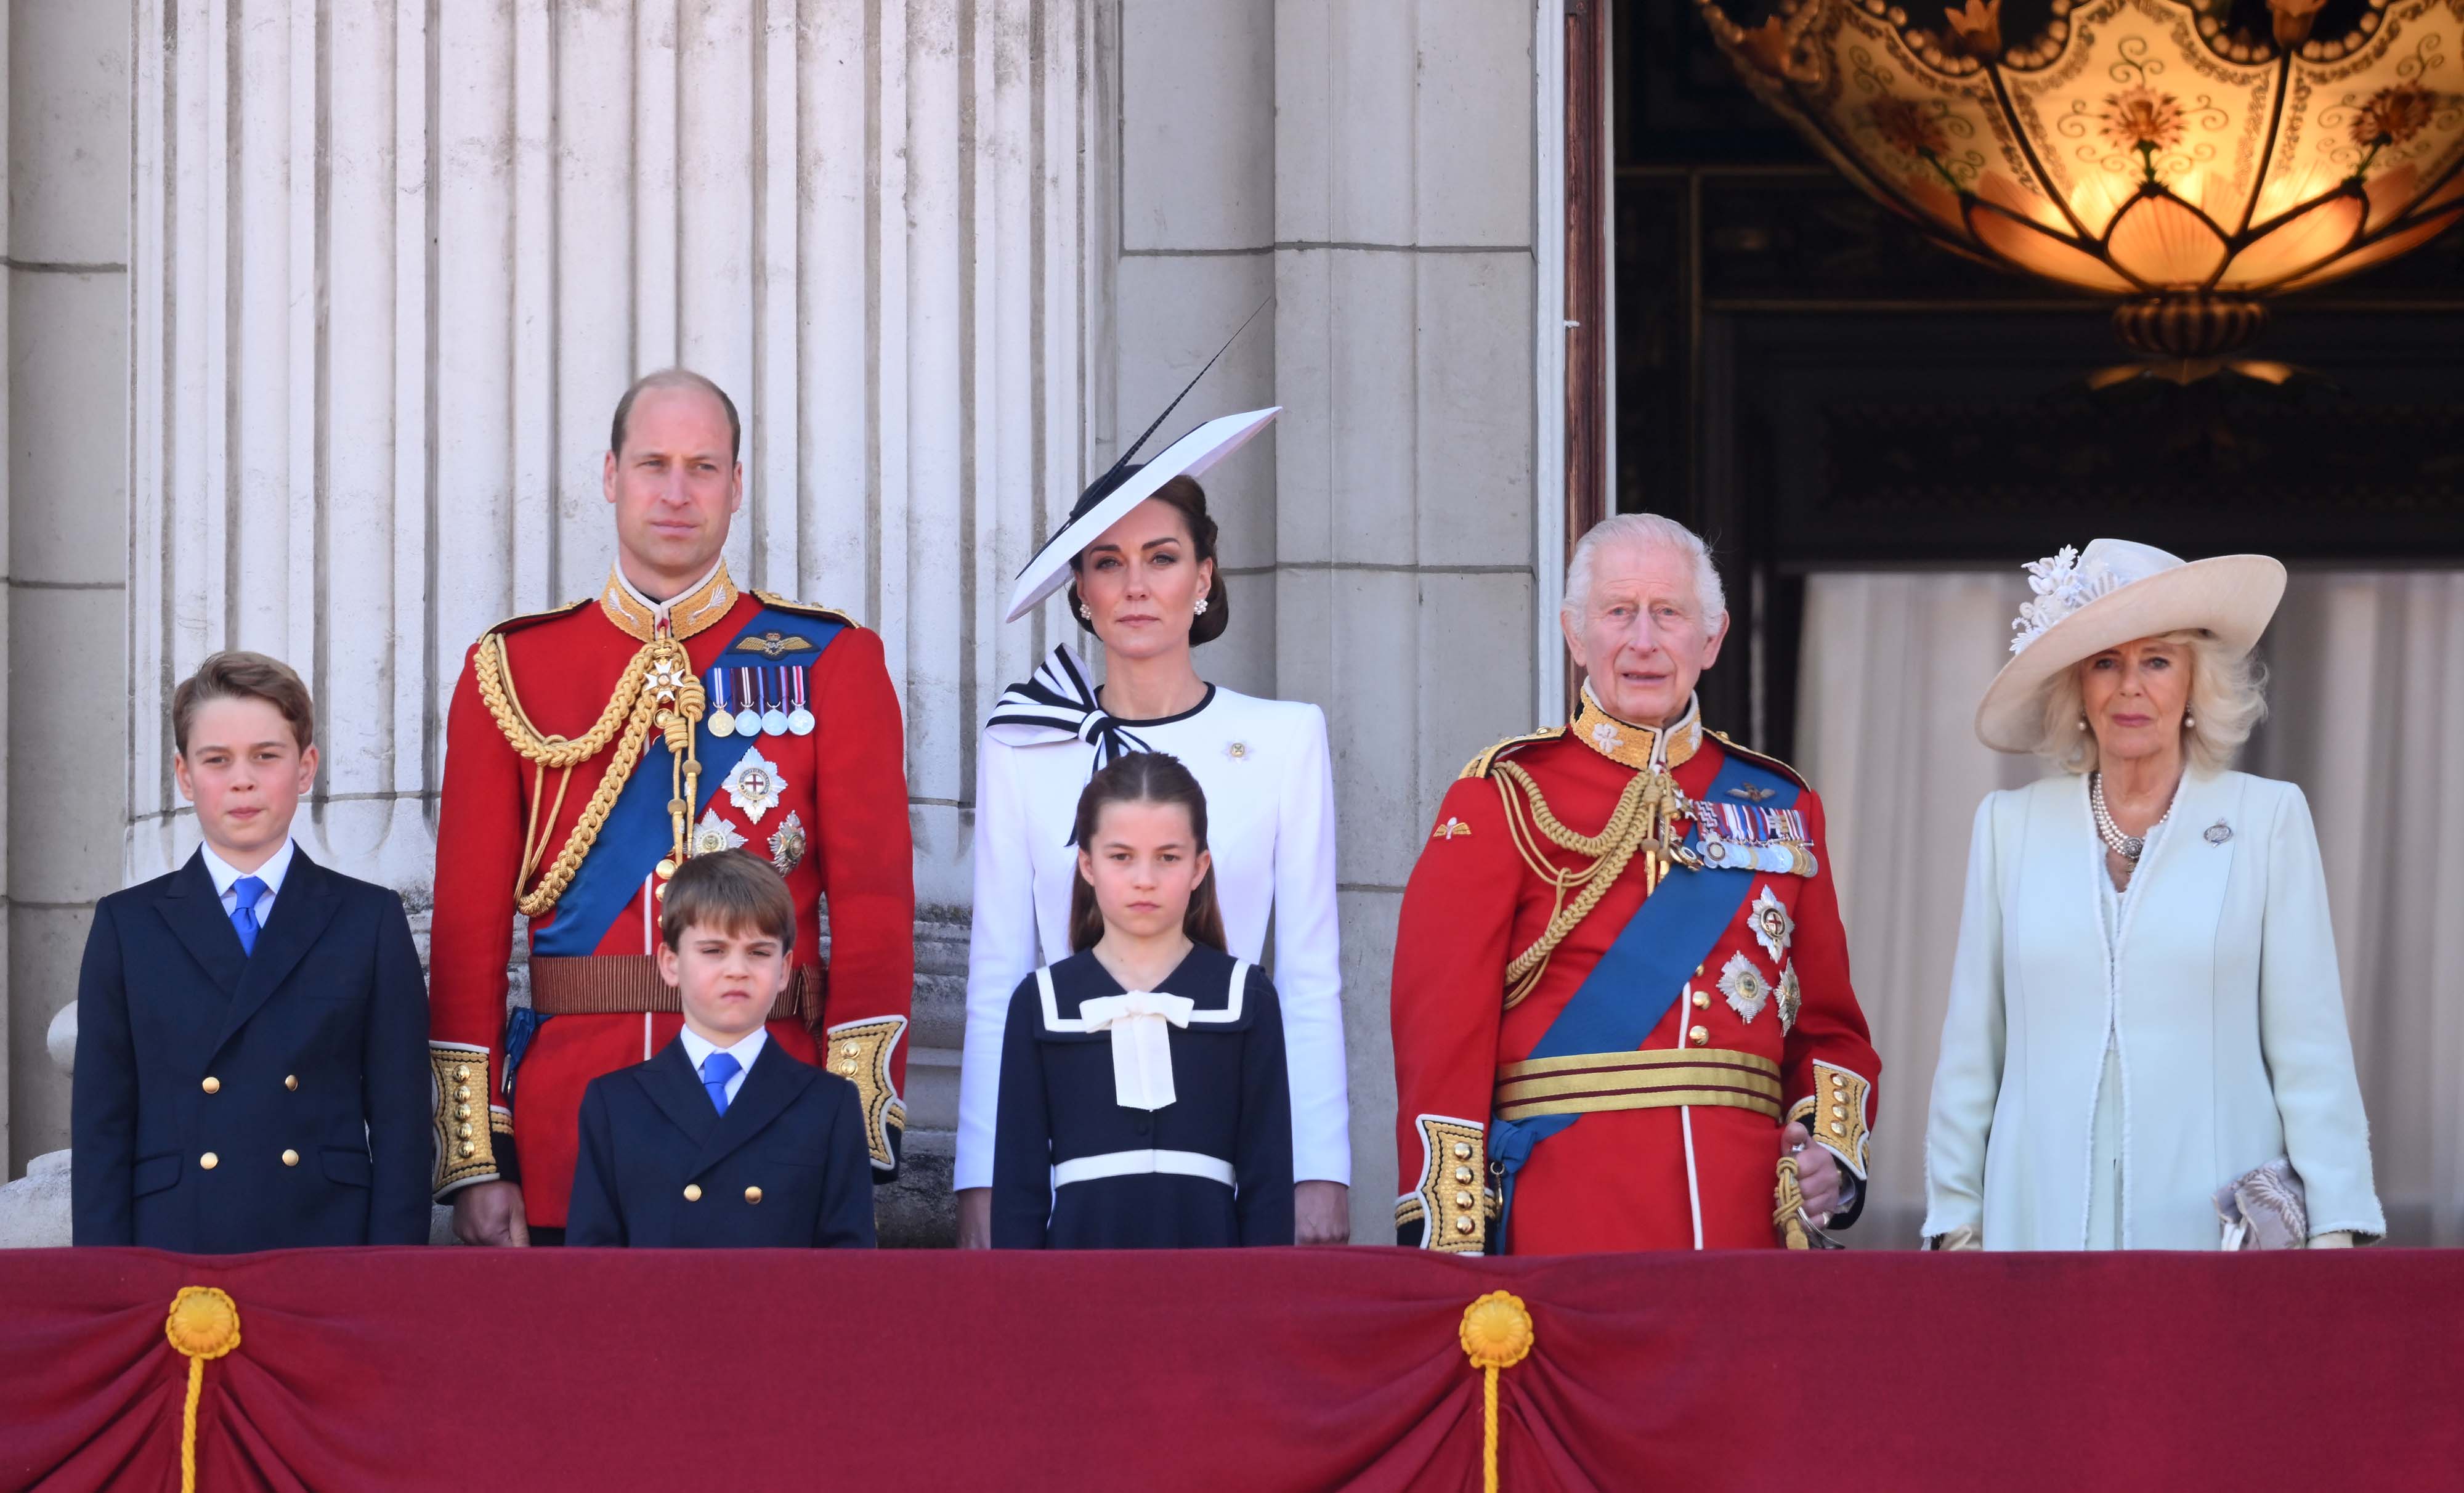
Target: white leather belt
[1134,1163]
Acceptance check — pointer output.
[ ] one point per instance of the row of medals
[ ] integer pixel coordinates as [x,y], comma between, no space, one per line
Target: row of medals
[749,721]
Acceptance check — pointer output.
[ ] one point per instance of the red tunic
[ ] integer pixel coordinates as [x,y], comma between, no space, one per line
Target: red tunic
[846,785]
[1696,1175]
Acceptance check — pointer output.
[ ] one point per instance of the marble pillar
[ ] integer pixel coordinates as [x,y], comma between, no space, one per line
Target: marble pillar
[1369,164]
[394,260]
[65,509]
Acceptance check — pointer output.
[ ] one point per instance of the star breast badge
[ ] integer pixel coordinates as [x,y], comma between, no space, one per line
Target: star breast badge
[753,786]
[1743,986]
[787,846]
[1772,926]
[715,834]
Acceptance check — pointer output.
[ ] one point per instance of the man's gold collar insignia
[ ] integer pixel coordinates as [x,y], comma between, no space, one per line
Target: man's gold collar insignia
[692,612]
[1641,748]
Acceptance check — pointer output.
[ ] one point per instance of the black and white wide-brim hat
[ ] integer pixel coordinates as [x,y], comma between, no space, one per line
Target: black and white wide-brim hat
[1111,498]
[2088,601]
[1123,486]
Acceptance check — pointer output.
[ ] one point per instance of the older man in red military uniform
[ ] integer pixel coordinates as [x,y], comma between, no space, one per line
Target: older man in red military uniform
[1621,989]
[589,751]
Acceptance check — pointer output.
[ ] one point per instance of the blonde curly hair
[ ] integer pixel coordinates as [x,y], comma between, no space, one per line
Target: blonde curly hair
[2228,699]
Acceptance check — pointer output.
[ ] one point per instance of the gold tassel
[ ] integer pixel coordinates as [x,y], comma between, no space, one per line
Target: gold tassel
[1788,1216]
[1496,1333]
[204,1324]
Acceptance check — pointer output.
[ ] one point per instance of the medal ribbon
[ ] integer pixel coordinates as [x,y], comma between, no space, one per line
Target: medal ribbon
[636,835]
[1638,975]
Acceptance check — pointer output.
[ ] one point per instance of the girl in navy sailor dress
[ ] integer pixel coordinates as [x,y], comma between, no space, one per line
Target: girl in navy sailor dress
[1143,1096]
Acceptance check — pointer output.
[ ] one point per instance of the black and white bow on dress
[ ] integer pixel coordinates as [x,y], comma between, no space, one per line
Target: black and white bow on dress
[1058,705]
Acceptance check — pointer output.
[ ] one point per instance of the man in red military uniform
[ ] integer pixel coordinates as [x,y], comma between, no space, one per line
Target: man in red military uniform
[590,750]
[1621,989]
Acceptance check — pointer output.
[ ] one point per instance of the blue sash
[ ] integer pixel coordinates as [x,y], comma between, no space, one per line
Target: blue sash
[1638,977]
[638,833]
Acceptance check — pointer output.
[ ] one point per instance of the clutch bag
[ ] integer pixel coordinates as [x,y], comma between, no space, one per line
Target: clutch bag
[2264,1209]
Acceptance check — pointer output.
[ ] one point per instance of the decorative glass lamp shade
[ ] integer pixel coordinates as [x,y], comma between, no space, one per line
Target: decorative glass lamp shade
[2139,148]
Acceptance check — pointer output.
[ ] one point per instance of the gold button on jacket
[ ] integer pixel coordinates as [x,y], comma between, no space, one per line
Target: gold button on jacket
[753,1195]
[213,1084]
[291,1158]
[209,1161]
[693,1192]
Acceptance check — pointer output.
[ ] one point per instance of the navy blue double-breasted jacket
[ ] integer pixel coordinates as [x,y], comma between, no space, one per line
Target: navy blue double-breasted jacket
[660,1168]
[228,1102]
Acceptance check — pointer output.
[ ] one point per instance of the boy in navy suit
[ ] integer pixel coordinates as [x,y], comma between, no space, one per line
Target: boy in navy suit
[252,1057]
[723,1140]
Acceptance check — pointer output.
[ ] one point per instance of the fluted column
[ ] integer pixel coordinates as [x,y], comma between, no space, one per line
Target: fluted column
[1369,163]
[394,262]
[63,409]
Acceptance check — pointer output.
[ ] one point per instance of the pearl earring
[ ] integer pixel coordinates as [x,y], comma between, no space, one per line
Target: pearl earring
[2189,720]
[1087,612]
[1199,610]
[2082,723]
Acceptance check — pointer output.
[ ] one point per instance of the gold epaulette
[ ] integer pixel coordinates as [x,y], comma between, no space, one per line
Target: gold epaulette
[809,608]
[1765,759]
[533,618]
[1478,766]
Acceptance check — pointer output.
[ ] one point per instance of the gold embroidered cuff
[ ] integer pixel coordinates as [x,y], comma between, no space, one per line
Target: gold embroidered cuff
[466,1123]
[1410,1213]
[860,1052]
[1836,1114]
[1454,1166]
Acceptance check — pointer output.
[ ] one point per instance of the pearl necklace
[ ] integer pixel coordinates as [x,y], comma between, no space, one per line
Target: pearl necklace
[2129,847]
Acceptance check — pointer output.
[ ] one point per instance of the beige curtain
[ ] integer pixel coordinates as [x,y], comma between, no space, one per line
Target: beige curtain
[2367,691]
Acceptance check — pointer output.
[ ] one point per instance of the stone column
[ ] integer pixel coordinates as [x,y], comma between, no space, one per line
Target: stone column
[394,262]
[1370,164]
[65,510]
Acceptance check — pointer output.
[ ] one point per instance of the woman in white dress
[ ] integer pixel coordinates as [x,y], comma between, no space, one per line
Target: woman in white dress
[1138,557]
[2145,1036]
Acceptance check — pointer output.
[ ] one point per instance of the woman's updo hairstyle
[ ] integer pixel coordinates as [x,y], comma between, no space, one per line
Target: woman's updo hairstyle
[1184,494]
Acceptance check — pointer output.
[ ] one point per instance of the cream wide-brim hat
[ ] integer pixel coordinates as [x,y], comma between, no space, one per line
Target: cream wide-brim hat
[1098,510]
[2111,593]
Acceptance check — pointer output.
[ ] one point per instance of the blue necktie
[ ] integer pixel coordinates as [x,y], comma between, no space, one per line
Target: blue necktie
[716,1070]
[244,894]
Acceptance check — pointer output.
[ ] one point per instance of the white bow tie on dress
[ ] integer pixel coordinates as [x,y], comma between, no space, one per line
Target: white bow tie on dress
[1140,1022]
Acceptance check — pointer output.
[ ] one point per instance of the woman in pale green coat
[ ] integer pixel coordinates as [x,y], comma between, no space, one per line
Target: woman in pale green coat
[2146,1006]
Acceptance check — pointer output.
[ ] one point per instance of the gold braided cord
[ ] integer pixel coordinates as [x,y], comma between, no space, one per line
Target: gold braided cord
[203,1324]
[628,719]
[1640,820]
[1787,1212]
[1496,1333]
[496,680]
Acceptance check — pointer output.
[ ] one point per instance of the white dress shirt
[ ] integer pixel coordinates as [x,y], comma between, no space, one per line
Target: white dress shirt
[228,876]
[1270,825]
[748,1047]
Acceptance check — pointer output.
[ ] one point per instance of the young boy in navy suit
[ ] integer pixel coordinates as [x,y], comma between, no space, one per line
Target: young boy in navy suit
[723,1140]
[252,1056]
